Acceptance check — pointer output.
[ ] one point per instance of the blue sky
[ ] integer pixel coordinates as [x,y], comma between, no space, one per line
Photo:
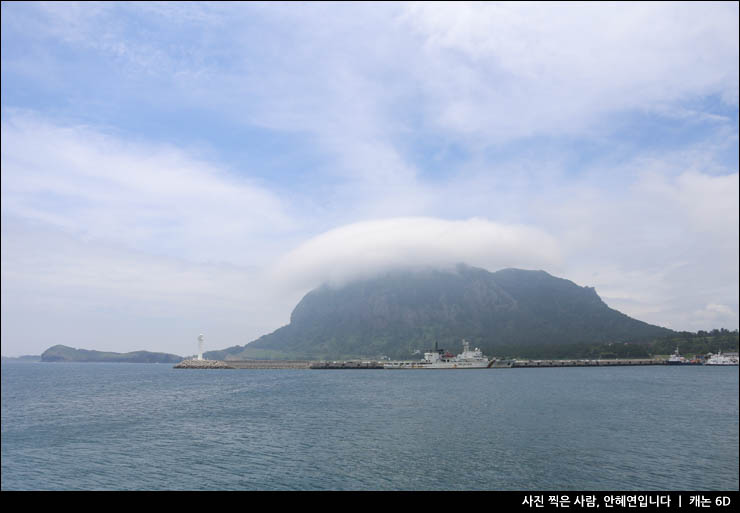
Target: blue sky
[176,168]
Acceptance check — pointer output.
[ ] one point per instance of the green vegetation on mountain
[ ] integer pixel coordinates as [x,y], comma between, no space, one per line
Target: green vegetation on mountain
[511,311]
[60,353]
[700,343]
[688,344]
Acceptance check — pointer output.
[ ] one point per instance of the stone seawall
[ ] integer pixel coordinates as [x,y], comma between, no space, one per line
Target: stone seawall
[305,364]
[586,363]
[346,365]
[202,364]
[269,364]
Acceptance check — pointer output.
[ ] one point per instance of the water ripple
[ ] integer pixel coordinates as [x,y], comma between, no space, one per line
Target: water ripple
[150,427]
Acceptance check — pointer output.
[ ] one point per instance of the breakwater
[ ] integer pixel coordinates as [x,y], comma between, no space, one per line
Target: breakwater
[202,364]
[353,364]
[243,364]
[346,365]
[582,363]
[269,364]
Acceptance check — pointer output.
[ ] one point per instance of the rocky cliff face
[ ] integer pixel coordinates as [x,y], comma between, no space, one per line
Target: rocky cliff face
[402,312]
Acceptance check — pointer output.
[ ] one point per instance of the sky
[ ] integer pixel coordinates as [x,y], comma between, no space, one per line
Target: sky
[170,169]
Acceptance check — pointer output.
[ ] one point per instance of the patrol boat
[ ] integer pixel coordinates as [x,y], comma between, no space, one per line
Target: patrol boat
[721,359]
[677,359]
[441,359]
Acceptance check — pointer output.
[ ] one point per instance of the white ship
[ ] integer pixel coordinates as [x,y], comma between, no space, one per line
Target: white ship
[722,359]
[440,359]
[677,359]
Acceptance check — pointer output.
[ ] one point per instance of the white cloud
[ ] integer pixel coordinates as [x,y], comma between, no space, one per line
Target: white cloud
[364,249]
[144,196]
[665,246]
[515,69]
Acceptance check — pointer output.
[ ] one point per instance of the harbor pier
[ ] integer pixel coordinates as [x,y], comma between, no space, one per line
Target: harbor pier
[269,364]
[357,364]
[587,363]
[347,365]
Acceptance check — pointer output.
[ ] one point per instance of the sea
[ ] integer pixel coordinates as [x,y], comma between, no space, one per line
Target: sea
[117,426]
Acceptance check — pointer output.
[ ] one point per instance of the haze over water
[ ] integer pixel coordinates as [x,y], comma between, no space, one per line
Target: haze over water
[150,427]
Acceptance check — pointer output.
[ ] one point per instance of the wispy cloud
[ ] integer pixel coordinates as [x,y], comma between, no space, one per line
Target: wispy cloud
[507,70]
[143,196]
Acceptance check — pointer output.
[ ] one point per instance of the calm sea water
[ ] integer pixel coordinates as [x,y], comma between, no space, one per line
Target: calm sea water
[151,427]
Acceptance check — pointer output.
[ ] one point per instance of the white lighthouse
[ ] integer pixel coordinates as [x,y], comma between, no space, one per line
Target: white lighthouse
[200,346]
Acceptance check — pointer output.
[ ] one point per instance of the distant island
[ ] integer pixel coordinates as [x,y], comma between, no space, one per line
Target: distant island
[60,353]
[26,358]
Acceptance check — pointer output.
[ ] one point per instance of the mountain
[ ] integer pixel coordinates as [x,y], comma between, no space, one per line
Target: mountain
[61,353]
[406,311]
